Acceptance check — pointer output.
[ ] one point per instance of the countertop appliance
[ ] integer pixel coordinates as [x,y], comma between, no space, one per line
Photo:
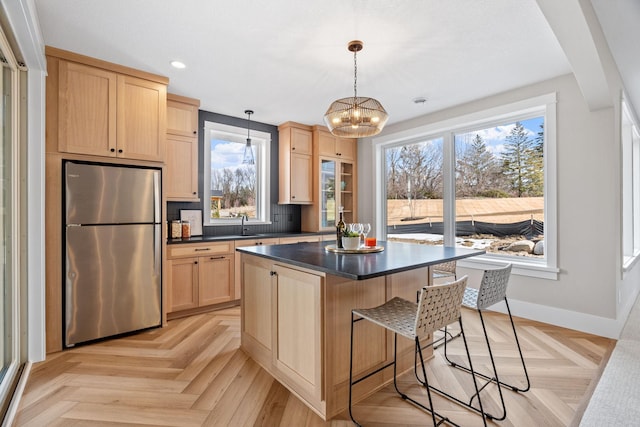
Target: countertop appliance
[112,239]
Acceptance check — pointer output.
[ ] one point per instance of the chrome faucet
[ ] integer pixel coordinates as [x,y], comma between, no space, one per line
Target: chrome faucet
[244,217]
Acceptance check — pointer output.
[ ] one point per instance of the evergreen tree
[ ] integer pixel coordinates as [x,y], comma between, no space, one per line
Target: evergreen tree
[477,169]
[522,163]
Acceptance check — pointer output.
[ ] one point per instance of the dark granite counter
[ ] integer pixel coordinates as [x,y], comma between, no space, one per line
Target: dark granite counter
[395,258]
[204,239]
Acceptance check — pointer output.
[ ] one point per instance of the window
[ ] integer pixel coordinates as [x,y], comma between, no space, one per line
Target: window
[235,189]
[13,301]
[499,188]
[630,139]
[484,181]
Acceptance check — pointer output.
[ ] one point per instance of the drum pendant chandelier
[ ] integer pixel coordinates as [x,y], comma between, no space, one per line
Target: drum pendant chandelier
[355,117]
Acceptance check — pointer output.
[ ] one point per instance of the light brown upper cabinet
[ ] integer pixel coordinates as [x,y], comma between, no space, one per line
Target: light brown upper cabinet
[295,145]
[182,148]
[332,146]
[103,110]
[334,182]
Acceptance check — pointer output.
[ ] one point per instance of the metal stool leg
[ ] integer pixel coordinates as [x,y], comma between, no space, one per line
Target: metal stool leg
[495,379]
[434,414]
[351,373]
[480,410]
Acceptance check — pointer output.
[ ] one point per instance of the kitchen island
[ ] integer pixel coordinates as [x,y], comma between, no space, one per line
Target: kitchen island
[296,314]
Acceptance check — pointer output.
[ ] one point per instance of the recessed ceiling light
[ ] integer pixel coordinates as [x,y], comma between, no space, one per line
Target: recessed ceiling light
[178,64]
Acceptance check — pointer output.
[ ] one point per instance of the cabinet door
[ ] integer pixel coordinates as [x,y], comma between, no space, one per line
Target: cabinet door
[347,148]
[182,169]
[238,267]
[141,119]
[216,283]
[183,283]
[86,110]
[328,199]
[257,302]
[301,141]
[301,178]
[298,351]
[347,191]
[182,119]
[326,144]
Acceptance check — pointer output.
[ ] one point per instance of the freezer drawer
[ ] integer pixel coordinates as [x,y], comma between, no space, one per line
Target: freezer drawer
[113,280]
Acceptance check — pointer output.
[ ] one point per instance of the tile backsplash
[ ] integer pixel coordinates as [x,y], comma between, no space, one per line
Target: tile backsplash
[284,219]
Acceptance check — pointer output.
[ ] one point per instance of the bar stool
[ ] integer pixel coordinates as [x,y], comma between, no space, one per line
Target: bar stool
[493,289]
[438,306]
[445,269]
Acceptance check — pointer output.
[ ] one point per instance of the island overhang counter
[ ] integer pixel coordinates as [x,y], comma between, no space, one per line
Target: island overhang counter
[296,314]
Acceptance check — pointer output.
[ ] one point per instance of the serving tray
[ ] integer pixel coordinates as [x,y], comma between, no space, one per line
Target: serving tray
[363,250]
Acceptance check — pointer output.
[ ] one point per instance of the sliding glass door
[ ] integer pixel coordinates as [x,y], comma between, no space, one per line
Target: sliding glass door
[11,302]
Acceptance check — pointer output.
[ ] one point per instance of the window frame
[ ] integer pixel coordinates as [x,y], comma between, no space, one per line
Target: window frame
[261,142]
[630,159]
[543,105]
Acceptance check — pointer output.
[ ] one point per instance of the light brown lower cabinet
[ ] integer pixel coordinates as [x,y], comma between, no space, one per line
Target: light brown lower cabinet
[296,324]
[200,275]
[281,322]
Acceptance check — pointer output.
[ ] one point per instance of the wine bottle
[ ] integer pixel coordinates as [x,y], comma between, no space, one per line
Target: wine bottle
[340,228]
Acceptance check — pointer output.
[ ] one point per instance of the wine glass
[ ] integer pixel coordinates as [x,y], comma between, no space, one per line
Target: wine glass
[366,228]
[355,227]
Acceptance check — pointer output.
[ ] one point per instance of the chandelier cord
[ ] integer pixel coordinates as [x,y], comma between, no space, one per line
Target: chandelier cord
[355,74]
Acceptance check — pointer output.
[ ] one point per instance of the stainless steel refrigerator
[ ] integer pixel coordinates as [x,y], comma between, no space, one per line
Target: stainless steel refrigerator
[113,263]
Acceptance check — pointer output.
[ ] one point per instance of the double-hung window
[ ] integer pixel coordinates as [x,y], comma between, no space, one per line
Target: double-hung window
[485,180]
[233,189]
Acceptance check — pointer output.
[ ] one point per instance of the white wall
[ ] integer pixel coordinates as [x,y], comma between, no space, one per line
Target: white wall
[589,210]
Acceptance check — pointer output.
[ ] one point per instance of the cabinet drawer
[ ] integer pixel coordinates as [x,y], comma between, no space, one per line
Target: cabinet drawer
[187,250]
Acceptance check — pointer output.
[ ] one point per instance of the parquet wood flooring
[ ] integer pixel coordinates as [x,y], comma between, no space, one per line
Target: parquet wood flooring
[192,373]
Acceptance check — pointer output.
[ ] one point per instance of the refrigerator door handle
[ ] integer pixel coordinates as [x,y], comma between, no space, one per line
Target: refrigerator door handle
[156,198]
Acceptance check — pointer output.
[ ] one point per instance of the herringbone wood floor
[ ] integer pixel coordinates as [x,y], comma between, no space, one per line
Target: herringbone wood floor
[192,373]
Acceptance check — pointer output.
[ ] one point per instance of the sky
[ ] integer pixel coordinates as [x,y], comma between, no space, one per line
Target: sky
[494,137]
[226,154]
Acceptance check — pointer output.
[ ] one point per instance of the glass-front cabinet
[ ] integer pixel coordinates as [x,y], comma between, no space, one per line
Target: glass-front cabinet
[327,193]
[336,186]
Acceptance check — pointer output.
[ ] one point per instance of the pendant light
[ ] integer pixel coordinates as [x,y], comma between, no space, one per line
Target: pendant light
[247,158]
[355,117]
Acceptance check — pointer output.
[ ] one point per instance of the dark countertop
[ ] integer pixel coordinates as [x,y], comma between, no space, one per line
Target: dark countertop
[201,239]
[395,258]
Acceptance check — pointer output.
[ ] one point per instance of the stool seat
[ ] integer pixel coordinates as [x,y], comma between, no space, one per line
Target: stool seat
[397,315]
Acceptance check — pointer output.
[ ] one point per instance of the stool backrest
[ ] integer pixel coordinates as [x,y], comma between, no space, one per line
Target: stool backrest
[493,287]
[445,267]
[439,305]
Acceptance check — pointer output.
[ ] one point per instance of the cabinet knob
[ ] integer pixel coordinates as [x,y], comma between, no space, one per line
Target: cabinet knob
[195,262]
[113,150]
[194,193]
[339,154]
[195,132]
[272,273]
[293,197]
[120,150]
[293,148]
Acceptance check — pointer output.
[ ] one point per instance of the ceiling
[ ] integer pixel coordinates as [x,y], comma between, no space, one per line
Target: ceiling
[288,60]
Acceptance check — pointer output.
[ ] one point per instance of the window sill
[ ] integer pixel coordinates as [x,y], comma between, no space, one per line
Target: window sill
[630,261]
[530,268]
[236,223]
